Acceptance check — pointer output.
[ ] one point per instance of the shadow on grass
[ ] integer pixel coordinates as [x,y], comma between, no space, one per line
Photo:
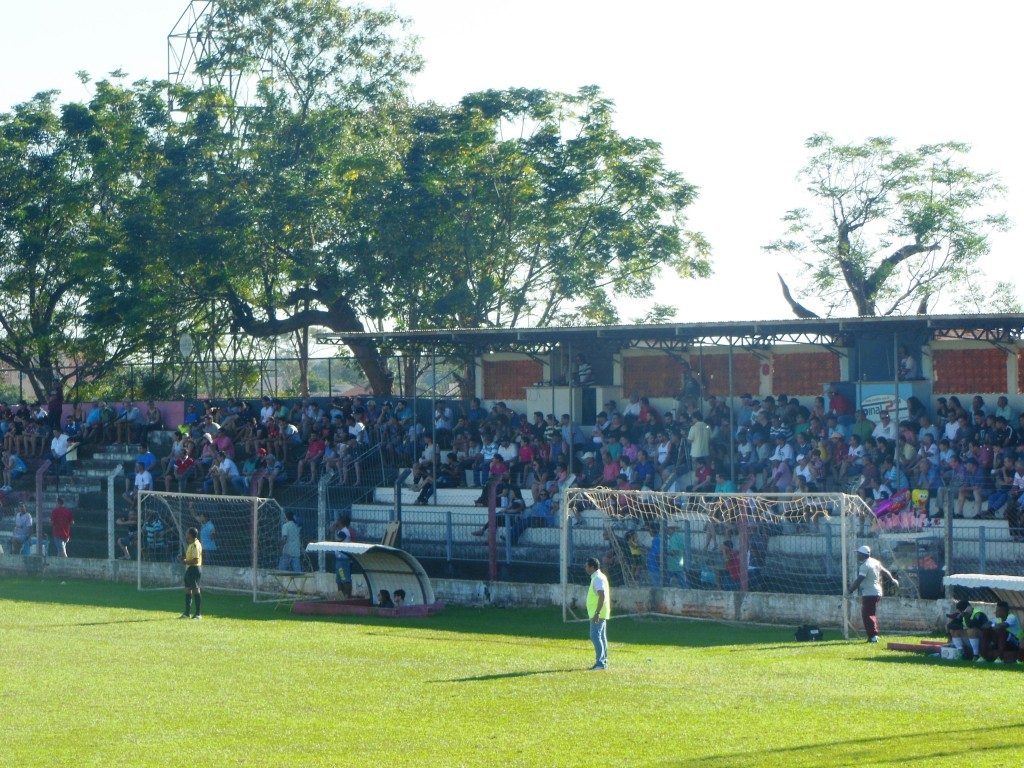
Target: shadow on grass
[921,747]
[526,623]
[97,623]
[924,659]
[506,676]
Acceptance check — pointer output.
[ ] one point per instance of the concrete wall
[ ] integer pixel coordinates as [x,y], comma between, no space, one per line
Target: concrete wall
[895,614]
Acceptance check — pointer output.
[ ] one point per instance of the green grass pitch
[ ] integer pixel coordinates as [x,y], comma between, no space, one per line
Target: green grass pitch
[96,674]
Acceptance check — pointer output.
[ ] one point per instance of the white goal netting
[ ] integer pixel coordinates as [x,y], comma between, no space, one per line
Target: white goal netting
[241,536]
[783,543]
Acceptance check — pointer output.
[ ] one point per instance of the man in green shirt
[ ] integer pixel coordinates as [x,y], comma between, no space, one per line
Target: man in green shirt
[599,609]
[863,427]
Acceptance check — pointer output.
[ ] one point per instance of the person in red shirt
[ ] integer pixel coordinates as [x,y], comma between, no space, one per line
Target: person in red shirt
[61,520]
[733,569]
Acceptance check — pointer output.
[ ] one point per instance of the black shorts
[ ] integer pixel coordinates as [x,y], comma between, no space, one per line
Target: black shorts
[192,576]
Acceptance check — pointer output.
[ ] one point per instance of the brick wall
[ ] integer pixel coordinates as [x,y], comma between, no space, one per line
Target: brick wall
[969,370]
[508,379]
[746,373]
[803,373]
[652,375]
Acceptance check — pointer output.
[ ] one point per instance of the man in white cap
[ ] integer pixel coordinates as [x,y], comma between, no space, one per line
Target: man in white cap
[869,581]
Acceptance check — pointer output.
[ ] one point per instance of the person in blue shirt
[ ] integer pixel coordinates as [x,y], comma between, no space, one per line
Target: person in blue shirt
[206,535]
[974,481]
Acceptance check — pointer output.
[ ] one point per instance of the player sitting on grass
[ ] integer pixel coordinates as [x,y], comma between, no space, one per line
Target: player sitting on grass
[965,625]
[1002,637]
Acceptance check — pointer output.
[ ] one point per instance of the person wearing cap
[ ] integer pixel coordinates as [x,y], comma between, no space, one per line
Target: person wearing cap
[964,627]
[869,581]
[885,427]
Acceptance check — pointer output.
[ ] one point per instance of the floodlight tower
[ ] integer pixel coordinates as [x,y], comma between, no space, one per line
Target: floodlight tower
[193,40]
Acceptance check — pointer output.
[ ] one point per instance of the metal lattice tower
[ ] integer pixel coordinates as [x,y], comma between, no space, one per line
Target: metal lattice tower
[191,41]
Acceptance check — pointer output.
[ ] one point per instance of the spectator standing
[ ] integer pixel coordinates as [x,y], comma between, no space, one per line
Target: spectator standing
[61,520]
[291,545]
[193,560]
[699,438]
[22,529]
[869,582]
[206,535]
[599,609]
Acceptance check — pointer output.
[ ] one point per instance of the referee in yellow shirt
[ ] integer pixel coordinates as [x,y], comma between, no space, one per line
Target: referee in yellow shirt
[193,561]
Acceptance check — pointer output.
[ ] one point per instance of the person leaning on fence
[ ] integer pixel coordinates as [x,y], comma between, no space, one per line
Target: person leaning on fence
[965,625]
[869,582]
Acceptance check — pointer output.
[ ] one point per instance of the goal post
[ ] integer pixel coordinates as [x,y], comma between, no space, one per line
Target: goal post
[241,537]
[792,544]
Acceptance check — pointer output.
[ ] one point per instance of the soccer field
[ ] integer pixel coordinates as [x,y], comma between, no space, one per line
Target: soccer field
[98,675]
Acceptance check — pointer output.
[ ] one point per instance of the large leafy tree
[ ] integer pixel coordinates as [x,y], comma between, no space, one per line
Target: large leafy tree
[75,213]
[888,230]
[528,205]
[281,174]
[338,205]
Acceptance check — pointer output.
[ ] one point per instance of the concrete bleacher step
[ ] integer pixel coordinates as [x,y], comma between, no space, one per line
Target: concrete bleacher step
[445,496]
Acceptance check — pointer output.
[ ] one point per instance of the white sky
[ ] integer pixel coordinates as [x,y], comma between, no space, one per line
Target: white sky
[731,90]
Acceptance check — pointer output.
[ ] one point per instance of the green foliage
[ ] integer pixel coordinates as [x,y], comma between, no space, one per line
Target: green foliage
[76,213]
[889,228]
[490,687]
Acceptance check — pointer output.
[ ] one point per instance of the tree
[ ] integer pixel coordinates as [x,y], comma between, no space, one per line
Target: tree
[283,178]
[890,229]
[74,212]
[528,206]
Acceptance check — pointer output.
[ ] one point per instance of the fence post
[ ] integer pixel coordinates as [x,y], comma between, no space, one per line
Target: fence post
[111,512]
[40,477]
[448,544]
[321,519]
[981,549]
[399,483]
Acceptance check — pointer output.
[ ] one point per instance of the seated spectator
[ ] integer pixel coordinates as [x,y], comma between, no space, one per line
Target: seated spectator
[141,481]
[1000,641]
[908,365]
[974,481]
[311,460]
[781,478]
[591,473]
[181,469]
[384,599]
[964,627]
[703,477]
[399,598]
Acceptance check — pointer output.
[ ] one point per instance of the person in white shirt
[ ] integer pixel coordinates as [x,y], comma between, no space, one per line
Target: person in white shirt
[267,411]
[869,582]
[699,438]
[783,451]
[291,545]
[885,428]
[143,482]
[60,446]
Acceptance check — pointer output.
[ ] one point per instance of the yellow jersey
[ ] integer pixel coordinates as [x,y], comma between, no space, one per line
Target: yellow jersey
[194,552]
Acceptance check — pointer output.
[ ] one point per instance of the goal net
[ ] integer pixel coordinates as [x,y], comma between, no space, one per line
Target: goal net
[796,544]
[241,537]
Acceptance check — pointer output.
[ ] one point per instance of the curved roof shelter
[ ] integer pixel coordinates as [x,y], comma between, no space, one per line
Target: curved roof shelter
[383,568]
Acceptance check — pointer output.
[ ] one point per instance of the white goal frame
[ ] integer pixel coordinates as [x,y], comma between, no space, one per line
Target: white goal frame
[848,508]
[257,507]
